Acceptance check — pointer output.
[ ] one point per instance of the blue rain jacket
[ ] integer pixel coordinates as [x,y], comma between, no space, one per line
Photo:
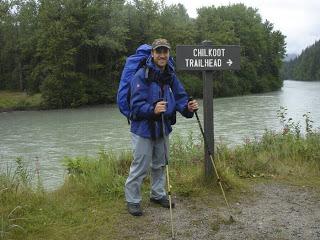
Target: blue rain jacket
[146,92]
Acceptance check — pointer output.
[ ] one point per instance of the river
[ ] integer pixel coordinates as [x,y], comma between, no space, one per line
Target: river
[48,136]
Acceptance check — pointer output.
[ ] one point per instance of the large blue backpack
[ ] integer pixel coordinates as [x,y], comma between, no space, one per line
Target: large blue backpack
[133,64]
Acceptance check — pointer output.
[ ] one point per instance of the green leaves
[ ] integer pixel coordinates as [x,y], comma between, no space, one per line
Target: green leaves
[306,66]
[73,52]
[261,48]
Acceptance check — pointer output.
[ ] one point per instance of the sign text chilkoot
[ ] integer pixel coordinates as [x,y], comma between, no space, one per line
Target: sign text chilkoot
[199,57]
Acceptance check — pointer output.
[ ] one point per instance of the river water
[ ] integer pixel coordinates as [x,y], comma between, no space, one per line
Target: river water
[47,136]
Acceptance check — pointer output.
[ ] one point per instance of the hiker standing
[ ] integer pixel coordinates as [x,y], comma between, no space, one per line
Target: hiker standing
[154,90]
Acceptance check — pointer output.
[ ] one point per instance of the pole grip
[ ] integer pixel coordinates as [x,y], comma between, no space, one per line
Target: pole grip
[191,99]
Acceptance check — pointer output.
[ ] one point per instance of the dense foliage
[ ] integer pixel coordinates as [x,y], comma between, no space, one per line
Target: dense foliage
[73,51]
[305,67]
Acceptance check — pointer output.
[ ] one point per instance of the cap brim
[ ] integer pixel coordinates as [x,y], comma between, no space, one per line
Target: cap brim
[166,46]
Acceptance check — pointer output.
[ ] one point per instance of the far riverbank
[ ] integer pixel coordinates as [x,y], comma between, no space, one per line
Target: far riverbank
[15,101]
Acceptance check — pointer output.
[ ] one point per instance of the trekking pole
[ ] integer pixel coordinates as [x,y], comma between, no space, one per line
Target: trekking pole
[213,164]
[167,169]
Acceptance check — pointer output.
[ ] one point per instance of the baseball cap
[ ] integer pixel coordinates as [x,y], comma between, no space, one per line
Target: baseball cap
[160,42]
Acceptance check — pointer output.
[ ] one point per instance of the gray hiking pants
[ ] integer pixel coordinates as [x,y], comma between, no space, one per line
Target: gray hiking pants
[147,153]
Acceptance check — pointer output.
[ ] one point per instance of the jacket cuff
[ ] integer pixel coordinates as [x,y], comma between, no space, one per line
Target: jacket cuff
[186,113]
[151,113]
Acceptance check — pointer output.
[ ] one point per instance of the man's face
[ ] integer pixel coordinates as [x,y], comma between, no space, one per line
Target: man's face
[160,56]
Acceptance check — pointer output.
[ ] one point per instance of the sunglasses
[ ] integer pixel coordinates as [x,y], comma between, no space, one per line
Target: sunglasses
[160,50]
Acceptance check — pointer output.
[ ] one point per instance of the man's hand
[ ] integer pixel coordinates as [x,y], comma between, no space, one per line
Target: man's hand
[160,107]
[193,106]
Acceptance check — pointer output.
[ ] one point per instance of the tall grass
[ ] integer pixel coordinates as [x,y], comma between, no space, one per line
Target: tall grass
[285,153]
[15,185]
[104,176]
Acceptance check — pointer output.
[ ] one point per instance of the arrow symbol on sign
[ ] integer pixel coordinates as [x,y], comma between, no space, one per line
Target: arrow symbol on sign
[229,62]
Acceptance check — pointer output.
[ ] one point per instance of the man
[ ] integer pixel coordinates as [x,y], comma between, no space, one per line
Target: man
[155,90]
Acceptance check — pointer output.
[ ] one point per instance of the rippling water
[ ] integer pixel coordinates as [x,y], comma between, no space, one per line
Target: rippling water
[50,135]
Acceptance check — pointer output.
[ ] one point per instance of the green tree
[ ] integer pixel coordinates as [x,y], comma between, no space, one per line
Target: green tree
[79,42]
[143,21]
[17,33]
[261,48]
[306,66]
[8,49]
[27,20]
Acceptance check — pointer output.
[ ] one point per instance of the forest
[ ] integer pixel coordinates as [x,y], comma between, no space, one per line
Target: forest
[73,52]
[305,67]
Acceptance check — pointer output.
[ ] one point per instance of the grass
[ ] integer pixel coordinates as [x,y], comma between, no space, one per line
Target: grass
[19,101]
[90,204]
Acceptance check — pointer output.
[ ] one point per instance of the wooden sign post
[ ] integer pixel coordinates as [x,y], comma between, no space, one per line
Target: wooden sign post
[208,58]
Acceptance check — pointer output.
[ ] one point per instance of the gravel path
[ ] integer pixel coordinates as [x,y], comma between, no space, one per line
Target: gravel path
[270,211]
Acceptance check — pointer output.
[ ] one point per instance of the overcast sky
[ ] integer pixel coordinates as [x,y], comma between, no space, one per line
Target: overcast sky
[298,20]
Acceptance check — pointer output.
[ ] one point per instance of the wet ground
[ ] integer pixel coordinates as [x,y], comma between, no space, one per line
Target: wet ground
[268,211]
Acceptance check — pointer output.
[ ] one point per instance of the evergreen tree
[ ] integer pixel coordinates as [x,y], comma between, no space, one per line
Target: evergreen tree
[306,66]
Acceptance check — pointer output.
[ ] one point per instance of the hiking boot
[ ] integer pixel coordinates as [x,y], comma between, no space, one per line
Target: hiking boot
[164,202]
[134,209]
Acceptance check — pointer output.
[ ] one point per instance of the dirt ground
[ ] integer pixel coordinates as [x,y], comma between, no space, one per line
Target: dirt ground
[268,211]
